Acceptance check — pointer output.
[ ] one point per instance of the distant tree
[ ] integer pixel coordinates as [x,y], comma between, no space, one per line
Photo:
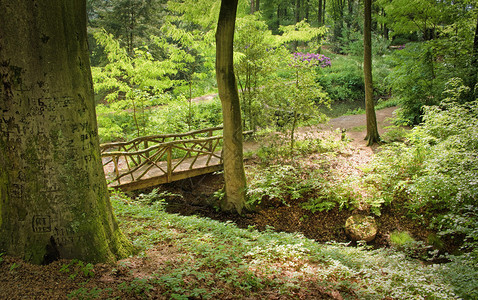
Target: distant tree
[130,21]
[54,200]
[336,9]
[474,63]
[405,16]
[372,131]
[321,12]
[253,65]
[291,105]
[234,175]
[255,6]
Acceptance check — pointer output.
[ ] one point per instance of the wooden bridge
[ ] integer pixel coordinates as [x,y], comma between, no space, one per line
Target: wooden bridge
[152,160]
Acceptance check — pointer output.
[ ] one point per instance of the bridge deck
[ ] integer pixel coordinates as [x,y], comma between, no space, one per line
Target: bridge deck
[155,176]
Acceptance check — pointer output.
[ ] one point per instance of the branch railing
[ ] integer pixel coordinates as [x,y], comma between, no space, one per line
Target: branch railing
[160,155]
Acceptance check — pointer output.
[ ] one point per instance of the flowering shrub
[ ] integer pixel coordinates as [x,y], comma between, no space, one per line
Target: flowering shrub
[311,59]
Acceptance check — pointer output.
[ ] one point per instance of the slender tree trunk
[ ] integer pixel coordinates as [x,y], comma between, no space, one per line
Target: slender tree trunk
[307,10]
[372,131]
[297,11]
[385,28]
[190,102]
[295,44]
[292,133]
[278,16]
[319,14]
[131,35]
[474,63]
[53,196]
[226,81]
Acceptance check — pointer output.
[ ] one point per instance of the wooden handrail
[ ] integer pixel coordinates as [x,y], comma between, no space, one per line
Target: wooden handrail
[159,136]
[165,144]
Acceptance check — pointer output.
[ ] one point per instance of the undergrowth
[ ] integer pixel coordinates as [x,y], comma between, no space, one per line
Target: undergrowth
[215,258]
[308,176]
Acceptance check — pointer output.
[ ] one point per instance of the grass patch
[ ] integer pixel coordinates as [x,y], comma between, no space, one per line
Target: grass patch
[358,128]
[341,108]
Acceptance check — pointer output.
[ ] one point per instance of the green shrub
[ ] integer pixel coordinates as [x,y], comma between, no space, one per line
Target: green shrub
[343,81]
[414,81]
[278,183]
[401,239]
[437,168]
[462,274]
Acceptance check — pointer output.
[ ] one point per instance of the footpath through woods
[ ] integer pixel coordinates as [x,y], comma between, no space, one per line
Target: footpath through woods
[354,126]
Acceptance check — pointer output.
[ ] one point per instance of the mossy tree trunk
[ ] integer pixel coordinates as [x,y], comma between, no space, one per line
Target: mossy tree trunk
[226,81]
[53,195]
[372,131]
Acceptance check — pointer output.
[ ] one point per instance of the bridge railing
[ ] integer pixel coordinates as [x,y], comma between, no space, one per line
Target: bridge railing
[160,155]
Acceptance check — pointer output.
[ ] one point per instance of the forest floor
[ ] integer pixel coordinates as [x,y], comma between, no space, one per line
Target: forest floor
[20,280]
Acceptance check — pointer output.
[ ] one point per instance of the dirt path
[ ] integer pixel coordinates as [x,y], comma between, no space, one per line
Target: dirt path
[355,126]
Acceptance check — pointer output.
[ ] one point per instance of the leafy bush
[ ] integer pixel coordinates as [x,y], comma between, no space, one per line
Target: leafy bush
[344,80]
[437,168]
[278,183]
[450,174]
[331,194]
[462,275]
[351,43]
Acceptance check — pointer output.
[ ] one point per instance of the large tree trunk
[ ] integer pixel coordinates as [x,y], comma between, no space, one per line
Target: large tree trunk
[226,82]
[53,195]
[372,131]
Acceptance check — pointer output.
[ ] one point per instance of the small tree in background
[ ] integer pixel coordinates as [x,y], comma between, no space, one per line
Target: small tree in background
[291,103]
[253,66]
[132,82]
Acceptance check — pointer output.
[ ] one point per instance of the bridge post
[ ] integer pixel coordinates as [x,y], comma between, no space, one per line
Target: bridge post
[115,161]
[169,162]
[210,142]
[146,146]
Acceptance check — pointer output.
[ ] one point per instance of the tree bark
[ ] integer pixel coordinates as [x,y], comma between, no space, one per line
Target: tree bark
[234,175]
[53,194]
[372,131]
